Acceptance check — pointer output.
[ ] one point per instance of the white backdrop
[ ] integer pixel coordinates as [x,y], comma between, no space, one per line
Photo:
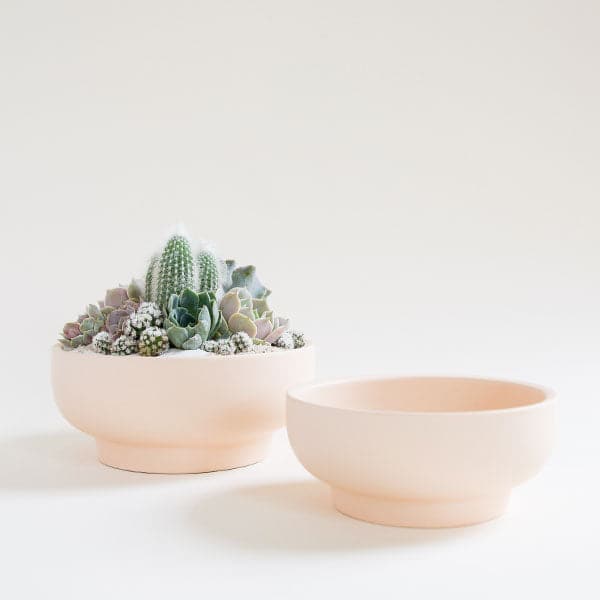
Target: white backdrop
[418,184]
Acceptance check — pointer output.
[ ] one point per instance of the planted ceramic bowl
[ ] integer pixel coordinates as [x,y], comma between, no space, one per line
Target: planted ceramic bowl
[421,451]
[182,412]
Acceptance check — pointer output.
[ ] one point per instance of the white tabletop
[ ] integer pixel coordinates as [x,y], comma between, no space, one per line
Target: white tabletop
[73,528]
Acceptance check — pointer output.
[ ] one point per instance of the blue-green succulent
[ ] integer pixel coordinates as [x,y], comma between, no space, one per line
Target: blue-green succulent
[244,277]
[192,319]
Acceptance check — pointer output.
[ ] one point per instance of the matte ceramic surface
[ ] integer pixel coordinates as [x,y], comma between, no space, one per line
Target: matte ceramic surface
[421,451]
[179,413]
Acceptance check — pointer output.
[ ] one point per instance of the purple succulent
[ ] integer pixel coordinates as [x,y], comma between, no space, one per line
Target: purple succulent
[115,322]
[116,297]
[71,330]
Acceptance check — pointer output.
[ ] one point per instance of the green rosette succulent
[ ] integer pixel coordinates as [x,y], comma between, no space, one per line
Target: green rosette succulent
[91,323]
[192,319]
[251,315]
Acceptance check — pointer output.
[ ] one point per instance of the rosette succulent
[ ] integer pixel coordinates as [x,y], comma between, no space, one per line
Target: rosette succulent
[192,319]
[71,335]
[251,315]
[118,304]
[81,332]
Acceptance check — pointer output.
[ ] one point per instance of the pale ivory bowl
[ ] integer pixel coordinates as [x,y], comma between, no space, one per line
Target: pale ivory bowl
[184,412]
[421,451]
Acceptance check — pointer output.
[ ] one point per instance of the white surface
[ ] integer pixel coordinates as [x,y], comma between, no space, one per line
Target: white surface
[417,182]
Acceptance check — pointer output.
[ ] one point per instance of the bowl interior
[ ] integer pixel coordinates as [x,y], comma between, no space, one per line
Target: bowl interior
[423,394]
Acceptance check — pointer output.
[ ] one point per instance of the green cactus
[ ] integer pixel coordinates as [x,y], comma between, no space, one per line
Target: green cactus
[225,347]
[286,340]
[299,339]
[208,272]
[151,274]
[173,272]
[153,341]
[102,343]
[136,324]
[241,341]
[210,346]
[124,346]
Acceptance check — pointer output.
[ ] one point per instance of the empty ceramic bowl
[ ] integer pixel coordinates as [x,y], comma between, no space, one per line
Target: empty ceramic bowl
[421,451]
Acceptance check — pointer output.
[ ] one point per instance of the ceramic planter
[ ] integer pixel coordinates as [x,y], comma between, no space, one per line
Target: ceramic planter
[421,452]
[184,412]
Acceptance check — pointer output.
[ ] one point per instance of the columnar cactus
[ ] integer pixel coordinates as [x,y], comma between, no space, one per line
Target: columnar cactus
[209,279]
[151,274]
[172,272]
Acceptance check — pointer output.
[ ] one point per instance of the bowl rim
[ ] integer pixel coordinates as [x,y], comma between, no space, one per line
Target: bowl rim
[293,394]
[186,355]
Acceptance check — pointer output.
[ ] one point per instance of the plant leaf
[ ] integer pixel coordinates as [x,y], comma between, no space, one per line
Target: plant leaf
[173,303]
[204,318]
[193,343]
[246,277]
[177,336]
[263,328]
[190,301]
[230,304]
[239,322]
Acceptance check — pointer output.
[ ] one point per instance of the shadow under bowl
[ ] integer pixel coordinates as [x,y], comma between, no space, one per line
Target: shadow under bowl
[421,451]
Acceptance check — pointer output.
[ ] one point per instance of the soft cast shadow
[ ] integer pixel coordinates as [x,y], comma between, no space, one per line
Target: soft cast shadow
[299,517]
[59,460]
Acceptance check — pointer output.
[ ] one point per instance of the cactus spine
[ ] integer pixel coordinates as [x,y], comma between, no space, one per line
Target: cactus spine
[208,272]
[172,272]
[177,269]
[151,274]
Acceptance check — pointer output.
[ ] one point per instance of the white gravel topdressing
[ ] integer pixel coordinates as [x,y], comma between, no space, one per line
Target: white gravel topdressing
[177,353]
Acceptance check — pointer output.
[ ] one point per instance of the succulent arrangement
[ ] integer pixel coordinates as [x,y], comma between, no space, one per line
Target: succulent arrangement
[189,300]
